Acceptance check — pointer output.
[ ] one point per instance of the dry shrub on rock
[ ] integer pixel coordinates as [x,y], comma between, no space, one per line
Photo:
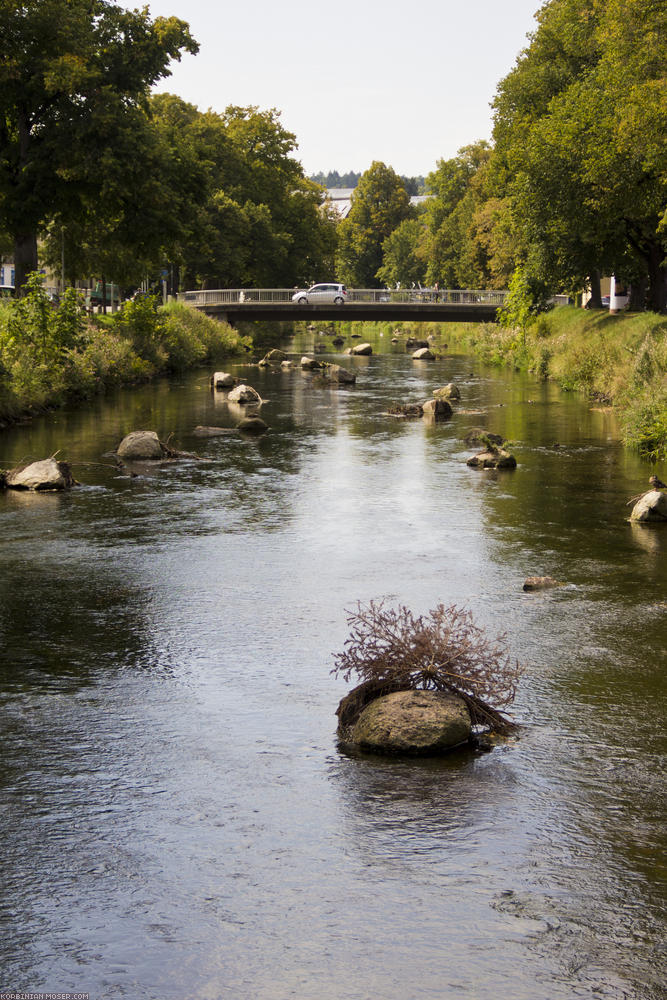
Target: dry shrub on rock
[393,649]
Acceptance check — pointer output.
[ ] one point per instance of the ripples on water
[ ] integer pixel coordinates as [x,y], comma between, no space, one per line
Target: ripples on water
[177,819]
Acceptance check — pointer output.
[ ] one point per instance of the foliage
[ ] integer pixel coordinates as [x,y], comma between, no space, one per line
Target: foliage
[379,204]
[404,255]
[49,354]
[580,126]
[444,651]
[74,78]
[248,216]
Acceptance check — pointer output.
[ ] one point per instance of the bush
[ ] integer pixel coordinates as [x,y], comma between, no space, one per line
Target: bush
[445,651]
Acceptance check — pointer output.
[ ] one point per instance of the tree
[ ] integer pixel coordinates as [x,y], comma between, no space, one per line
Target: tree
[580,126]
[249,216]
[457,255]
[404,255]
[73,76]
[379,204]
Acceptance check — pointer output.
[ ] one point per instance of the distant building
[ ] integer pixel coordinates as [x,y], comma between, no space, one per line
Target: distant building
[341,200]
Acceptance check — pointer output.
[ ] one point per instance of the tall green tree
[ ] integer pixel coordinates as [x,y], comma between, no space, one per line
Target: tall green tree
[73,75]
[379,204]
[580,130]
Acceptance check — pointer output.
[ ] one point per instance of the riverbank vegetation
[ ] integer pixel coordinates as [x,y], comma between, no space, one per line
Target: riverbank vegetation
[617,360]
[50,355]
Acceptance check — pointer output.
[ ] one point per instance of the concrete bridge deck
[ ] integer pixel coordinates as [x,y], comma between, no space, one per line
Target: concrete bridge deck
[446,306]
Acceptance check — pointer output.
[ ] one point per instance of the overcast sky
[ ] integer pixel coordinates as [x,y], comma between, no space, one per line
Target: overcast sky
[367,81]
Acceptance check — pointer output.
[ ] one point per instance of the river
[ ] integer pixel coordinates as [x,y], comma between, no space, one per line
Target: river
[177,819]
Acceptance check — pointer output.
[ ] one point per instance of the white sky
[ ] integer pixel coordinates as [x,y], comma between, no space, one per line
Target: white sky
[365,81]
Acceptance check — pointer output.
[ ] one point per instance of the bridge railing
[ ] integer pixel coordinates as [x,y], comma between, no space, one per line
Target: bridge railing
[372,296]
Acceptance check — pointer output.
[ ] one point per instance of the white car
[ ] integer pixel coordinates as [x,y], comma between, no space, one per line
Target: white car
[321,294]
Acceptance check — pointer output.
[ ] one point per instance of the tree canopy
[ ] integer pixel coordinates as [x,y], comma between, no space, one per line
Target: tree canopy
[74,76]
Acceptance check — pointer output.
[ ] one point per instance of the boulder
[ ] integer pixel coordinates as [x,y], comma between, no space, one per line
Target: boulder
[499,459]
[436,409]
[310,364]
[413,722]
[651,508]
[341,375]
[252,425]
[45,475]
[338,341]
[540,583]
[412,343]
[244,394]
[449,391]
[286,364]
[222,380]
[362,349]
[140,446]
[423,354]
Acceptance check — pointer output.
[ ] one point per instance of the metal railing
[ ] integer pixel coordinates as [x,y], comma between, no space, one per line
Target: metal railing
[372,296]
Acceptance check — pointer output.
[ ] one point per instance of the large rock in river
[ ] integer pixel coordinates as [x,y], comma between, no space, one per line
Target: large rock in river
[436,409]
[414,722]
[361,349]
[499,459]
[651,508]
[141,445]
[423,354]
[222,380]
[449,391]
[45,475]
[244,394]
[335,373]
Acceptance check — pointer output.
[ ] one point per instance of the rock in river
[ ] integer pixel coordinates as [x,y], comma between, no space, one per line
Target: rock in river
[361,349]
[436,409]
[244,394]
[141,445]
[414,722]
[650,508]
[45,475]
[499,459]
[223,380]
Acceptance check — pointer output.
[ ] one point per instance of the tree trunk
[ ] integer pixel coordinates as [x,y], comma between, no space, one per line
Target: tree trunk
[657,279]
[637,301]
[595,301]
[25,260]
[104,295]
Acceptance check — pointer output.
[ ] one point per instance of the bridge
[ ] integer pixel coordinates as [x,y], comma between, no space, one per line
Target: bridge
[418,305]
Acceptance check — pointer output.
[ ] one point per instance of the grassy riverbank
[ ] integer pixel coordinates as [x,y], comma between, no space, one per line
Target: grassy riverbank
[620,360]
[50,356]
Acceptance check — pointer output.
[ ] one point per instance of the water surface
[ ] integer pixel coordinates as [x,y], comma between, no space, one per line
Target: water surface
[177,818]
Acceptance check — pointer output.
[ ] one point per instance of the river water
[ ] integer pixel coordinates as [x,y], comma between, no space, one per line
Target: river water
[177,819]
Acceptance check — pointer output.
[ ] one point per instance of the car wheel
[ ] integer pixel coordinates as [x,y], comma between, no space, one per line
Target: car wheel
[338,301]
[303,301]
